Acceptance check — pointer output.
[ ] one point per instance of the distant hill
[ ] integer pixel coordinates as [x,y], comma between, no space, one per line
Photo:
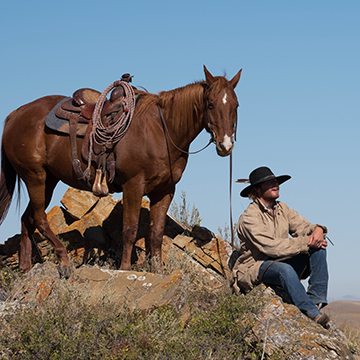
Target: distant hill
[344,313]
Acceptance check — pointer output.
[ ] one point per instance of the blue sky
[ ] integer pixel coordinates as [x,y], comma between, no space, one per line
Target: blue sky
[298,94]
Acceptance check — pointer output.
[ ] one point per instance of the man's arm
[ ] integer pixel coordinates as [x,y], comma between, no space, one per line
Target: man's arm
[261,236]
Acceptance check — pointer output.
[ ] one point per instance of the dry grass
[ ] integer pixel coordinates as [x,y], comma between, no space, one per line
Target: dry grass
[352,334]
[202,325]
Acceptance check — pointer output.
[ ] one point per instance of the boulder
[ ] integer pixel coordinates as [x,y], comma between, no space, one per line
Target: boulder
[284,330]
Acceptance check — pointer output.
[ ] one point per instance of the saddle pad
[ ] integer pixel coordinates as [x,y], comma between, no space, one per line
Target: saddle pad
[62,125]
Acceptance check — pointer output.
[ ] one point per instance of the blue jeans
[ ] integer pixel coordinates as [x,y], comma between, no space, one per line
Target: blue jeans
[287,273]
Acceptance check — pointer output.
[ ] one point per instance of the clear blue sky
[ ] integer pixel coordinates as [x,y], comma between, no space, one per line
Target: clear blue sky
[298,94]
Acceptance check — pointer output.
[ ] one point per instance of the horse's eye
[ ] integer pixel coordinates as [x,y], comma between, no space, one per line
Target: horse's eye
[210,106]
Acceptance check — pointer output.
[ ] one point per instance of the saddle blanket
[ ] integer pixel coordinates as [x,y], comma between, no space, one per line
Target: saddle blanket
[62,125]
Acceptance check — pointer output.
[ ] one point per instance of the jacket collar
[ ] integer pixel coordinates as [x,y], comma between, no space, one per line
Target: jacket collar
[263,206]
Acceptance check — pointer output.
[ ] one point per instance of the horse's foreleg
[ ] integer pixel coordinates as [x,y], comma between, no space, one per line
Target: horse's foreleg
[158,210]
[132,204]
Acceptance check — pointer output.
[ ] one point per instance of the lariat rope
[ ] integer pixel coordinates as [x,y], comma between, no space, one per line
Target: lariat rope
[108,135]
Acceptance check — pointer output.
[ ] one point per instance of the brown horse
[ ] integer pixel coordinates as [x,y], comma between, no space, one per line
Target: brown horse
[150,158]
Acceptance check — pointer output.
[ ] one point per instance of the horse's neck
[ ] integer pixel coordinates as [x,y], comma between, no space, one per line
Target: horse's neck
[185,118]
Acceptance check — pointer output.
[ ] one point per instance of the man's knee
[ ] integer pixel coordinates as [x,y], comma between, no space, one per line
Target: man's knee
[286,270]
[281,270]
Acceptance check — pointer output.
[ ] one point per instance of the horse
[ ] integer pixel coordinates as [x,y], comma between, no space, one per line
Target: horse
[150,159]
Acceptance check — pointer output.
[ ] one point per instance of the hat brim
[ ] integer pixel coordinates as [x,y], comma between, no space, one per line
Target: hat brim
[281,179]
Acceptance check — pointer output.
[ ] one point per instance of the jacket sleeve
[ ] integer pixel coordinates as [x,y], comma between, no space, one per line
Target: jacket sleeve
[259,238]
[298,225]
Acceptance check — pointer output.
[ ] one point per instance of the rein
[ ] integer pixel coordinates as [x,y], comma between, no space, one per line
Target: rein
[171,140]
[230,195]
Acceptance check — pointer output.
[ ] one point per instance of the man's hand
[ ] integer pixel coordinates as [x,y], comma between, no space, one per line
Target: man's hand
[317,239]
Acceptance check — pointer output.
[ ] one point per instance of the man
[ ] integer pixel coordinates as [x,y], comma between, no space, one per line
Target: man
[269,255]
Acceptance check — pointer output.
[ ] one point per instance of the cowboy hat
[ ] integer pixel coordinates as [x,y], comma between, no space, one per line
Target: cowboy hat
[259,176]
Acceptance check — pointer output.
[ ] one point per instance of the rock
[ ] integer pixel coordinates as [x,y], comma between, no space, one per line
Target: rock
[137,289]
[10,250]
[202,235]
[3,295]
[57,218]
[36,285]
[285,330]
[77,202]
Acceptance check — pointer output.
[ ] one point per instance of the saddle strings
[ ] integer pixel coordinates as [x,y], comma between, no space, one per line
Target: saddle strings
[111,134]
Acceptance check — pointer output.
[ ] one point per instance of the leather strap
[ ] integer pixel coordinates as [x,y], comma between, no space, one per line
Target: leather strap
[73,143]
[171,140]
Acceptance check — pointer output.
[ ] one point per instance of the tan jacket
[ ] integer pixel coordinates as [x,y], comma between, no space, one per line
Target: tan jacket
[264,236]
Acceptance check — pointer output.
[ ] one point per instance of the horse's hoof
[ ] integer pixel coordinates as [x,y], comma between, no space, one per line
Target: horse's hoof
[65,271]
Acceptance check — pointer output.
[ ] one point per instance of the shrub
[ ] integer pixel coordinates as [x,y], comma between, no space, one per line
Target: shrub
[181,212]
[64,327]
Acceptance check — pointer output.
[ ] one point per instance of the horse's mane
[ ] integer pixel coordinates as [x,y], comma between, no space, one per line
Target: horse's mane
[183,102]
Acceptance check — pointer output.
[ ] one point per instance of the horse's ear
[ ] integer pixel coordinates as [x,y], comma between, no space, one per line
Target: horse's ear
[209,78]
[234,81]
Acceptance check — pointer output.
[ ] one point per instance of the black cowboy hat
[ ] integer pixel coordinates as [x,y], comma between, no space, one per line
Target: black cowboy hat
[259,176]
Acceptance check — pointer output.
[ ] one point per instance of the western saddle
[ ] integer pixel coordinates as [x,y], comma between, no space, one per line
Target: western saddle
[80,109]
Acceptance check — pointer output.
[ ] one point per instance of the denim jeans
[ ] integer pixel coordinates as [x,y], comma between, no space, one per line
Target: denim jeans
[287,273]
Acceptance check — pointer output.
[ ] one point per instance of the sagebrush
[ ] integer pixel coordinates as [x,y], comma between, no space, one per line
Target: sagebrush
[204,324]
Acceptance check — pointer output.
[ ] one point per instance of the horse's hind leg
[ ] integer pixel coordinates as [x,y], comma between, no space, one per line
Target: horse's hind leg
[40,193]
[27,230]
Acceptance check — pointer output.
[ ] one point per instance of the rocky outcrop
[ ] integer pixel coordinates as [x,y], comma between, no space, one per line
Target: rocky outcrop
[91,229]
[284,330]
[92,232]
[281,328]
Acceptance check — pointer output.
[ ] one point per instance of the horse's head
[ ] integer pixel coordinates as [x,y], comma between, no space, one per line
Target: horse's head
[221,110]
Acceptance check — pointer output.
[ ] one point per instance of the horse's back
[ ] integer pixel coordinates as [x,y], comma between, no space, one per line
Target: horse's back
[36,108]
[24,136]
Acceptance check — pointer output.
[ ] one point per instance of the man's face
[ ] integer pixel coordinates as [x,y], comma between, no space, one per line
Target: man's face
[269,190]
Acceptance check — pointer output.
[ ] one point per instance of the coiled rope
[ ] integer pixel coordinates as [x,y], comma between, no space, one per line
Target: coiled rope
[109,135]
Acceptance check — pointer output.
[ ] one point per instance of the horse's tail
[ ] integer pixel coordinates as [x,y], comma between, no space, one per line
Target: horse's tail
[8,179]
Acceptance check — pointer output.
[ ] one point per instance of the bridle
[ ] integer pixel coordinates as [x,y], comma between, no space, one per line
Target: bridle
[208,128]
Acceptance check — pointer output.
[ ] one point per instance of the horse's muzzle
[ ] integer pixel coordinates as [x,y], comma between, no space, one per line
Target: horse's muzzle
[224,148]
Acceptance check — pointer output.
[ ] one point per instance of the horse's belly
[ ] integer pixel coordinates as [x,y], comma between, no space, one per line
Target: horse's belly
[59,160]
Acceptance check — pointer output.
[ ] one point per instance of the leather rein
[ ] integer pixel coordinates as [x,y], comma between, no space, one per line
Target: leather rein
[171,140]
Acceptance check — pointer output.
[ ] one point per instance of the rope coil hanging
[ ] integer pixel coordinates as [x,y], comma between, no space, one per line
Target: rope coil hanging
[108,135]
